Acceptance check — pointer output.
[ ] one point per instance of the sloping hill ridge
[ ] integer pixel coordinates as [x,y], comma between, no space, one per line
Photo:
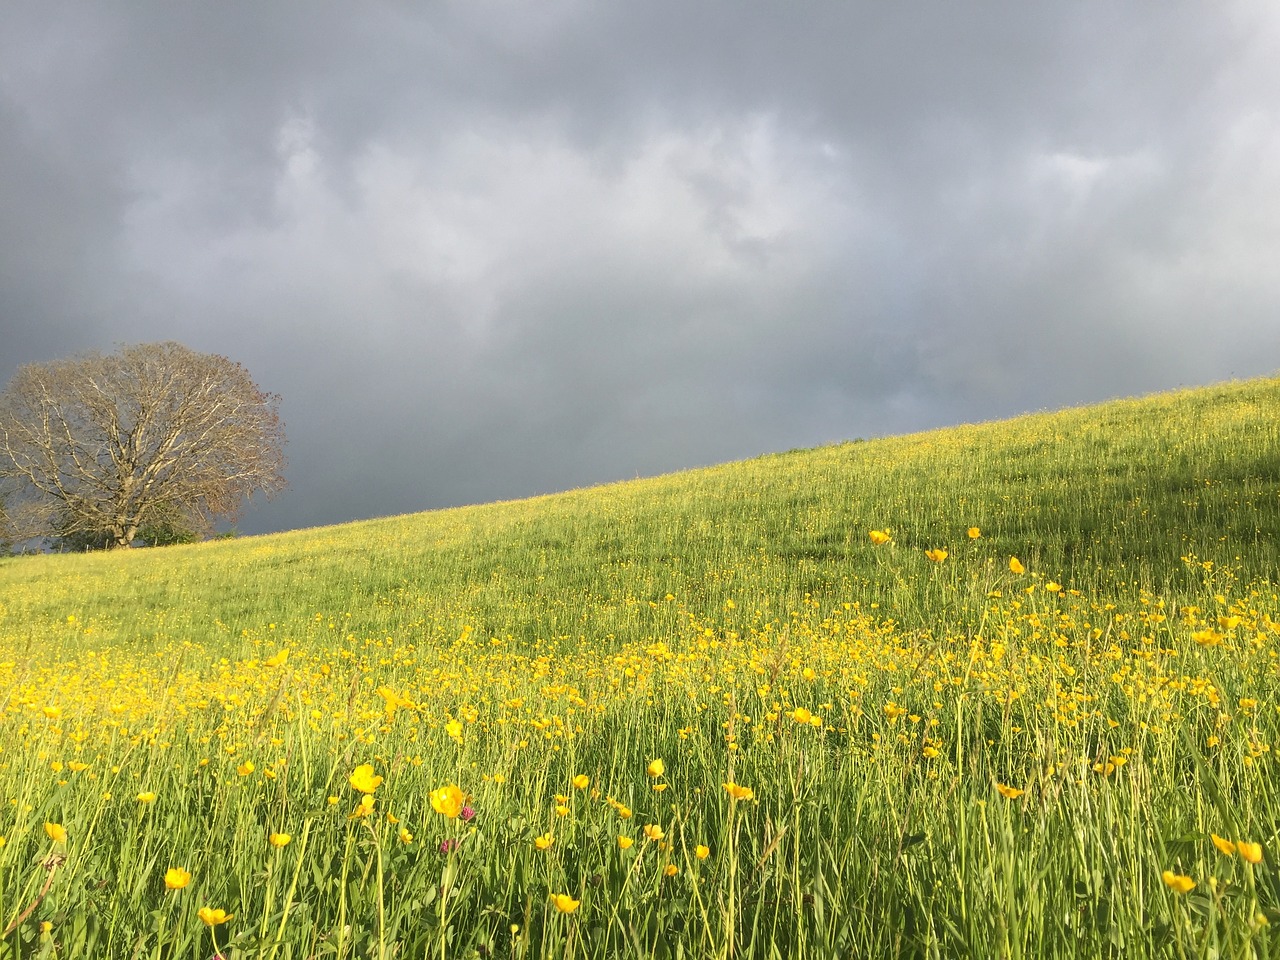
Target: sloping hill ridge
[1102,498]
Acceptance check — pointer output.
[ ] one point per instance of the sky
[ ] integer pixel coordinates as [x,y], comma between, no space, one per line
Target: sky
[487,249]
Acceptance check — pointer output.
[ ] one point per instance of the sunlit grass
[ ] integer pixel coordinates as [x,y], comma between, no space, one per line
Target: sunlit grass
[900,745]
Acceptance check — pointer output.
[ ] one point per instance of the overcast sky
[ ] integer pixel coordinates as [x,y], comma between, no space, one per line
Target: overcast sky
[490,248]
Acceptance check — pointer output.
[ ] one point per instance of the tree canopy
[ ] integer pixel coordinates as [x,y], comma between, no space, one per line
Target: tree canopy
[155,439]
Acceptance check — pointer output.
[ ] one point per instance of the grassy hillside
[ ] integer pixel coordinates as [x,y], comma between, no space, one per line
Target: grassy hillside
[1105,499]
[1022,748]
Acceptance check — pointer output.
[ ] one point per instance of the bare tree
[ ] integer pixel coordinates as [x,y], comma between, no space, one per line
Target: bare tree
[95,447]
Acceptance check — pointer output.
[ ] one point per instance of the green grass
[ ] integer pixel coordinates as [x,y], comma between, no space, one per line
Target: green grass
[1105,497]
[686,617]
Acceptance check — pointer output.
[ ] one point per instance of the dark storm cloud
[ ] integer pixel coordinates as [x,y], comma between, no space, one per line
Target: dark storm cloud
[488,249]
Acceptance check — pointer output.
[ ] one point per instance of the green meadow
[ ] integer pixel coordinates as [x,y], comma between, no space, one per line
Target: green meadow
[1001,690]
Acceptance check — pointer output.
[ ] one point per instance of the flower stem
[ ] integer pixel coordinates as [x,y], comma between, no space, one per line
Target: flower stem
[446,882]
[382,910]
[293,887]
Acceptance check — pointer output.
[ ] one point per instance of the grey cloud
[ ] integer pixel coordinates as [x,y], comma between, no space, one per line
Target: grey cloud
[485,250]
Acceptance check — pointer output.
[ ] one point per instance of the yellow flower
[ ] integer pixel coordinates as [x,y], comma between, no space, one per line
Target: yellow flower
[936,555]
[364,808]
[364,779]
[56,831]
[147,797]
[405,835]
[739,792]
[931,753]
[1225,847]
[562,810]
[800,715]
[245,768]
[1207,637]
[670,869]
[175,878]
[581,781]
[1177,882]
[1009,793]
[1015,566]
[1053,587]
[625,843]
[53,713]
[454,729]
[277,660]
[975,533]
[279,840]
[659,787]
[624,812]
[1252,852]
[75,766]
[213,917]
[653,831]
[656,768]
[565,903]
[448,800]
[879,537]
[544,842]
[701,852]
[45,927]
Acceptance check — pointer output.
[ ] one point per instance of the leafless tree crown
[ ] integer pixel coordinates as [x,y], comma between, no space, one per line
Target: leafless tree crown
[98,445]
